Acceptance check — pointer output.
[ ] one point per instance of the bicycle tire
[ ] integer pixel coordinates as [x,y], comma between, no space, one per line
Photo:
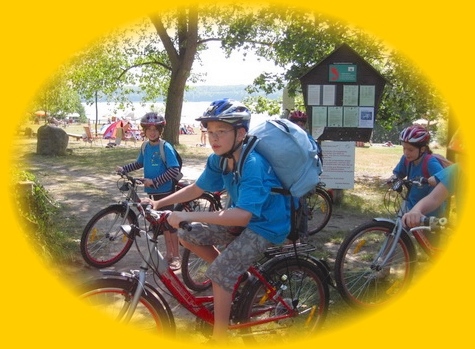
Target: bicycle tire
[112,294]
[361,286]
[320,208]
[193,271]
[305,290]
[193,268]
[102,242]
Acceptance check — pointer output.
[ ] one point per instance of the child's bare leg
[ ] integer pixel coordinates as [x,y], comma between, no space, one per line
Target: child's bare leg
[222,309]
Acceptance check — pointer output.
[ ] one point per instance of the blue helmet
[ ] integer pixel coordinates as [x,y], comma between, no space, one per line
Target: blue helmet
[227,110]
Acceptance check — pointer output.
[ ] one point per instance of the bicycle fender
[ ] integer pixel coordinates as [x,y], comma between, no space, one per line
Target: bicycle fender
[391,221]
[131,213]
[387,220]
[319,263]
[325,269]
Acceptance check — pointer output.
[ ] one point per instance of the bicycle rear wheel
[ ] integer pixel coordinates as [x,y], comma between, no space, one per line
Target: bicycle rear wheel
[360,285]
[193,270]
[320,207]
[102,242]
[113,295]
[301,285]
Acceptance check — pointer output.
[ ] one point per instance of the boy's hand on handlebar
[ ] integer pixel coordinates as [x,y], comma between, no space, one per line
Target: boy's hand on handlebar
[148,201]
[175,218]
[412,219]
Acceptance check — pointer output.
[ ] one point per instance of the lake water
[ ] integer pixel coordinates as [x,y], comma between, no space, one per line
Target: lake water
[191,111]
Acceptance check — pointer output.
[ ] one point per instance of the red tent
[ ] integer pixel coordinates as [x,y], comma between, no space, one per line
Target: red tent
[110,131]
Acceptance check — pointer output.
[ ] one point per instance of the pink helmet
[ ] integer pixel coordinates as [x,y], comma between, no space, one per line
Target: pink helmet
[416,135]
[152,119]
[298,115]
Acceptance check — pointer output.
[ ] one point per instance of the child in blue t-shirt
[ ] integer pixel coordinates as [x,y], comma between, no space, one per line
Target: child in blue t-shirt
[415,143]
[158,175]
[447,183]
[255,219]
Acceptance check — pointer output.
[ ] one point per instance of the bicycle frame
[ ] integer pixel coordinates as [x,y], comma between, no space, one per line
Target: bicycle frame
[197,305]
[390,243]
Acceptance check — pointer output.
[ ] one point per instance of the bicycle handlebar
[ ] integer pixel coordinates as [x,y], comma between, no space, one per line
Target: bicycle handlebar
[397,183]
[431,223]
[135,180]
[162,215]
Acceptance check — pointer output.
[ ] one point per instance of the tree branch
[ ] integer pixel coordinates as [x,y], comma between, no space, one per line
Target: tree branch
[142,64]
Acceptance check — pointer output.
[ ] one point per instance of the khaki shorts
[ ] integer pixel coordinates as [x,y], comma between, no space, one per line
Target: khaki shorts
[240,253]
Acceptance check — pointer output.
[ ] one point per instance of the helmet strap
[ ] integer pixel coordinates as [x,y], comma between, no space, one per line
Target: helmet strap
[236,146]
[421,153]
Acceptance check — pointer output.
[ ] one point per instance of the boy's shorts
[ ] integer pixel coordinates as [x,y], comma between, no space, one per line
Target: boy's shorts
[241,251]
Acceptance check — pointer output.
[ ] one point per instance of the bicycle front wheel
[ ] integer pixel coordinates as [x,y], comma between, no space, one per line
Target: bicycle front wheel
[300,306]
[102,242]
[360,283]
[112,296]
[319,210]
[193,268]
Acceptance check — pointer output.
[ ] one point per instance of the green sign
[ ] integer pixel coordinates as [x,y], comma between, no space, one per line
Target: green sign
[342,73]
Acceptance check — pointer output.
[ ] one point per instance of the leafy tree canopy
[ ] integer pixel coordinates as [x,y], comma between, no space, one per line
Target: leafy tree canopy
[157,54]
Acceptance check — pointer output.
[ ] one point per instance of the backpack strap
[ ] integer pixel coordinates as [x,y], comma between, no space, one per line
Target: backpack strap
[425,165]
[142,148]
[249,144]
[162,150]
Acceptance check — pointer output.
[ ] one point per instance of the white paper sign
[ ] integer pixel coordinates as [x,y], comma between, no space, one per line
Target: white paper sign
[338,164]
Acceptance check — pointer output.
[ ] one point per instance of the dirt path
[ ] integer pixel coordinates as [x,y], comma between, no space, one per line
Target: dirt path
[81,194]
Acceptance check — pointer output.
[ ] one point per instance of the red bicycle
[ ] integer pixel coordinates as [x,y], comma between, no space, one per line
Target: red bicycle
[285,294]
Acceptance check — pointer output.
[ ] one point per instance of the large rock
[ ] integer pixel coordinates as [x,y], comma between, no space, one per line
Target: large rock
[52,140]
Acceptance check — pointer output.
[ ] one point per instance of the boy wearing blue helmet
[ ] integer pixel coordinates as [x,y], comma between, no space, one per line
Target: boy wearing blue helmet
[255,219]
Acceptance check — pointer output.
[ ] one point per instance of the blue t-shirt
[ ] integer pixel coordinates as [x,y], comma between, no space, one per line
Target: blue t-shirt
[153,166]
[252,192]
[450,177]
[412,171]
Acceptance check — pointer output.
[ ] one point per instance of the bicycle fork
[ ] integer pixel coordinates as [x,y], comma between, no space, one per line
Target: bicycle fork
[153,257]
[130,305]
[388,247]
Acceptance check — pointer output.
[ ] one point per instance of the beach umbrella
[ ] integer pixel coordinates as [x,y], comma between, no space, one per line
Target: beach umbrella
[40,113]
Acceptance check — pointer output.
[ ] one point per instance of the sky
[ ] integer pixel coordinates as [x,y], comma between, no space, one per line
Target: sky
[233,70]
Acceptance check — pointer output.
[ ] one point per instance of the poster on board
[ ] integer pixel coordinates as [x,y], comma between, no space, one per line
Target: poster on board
[338,164]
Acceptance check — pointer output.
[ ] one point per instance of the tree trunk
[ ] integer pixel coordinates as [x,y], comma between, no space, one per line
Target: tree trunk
[173,108]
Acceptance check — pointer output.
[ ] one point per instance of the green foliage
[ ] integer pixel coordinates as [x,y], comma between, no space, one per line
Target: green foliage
[36,210]
[155,57]
[57,98]
[261,104]
[297,40]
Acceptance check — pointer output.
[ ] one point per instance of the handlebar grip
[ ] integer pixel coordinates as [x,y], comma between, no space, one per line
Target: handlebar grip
[185,226]
[428,221]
